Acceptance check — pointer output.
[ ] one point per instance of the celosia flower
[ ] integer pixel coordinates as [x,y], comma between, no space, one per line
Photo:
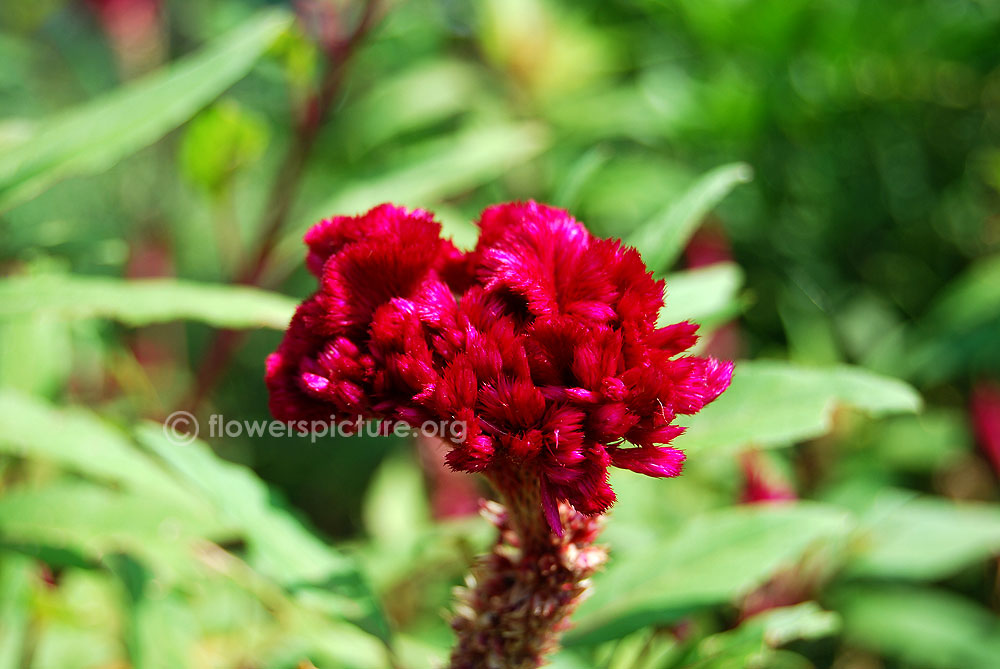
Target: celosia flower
[543,341]
[985,413]
[762,484]
[542,346]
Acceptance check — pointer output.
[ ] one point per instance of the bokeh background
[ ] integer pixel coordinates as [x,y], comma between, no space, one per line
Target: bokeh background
[818,180]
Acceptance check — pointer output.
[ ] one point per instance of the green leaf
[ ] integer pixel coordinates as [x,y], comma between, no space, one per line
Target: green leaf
[415,652]
[583,170]
[94,136]
[218,142]
[279,545]
[808,329]
[16,572]
[970,300]
[63,644]
[928,538]
[140,302]
[97,521]
[920,627]
[35,354]
[451,166]
[457,227]
[707,295]
[283,548]
[78,440]
[396,510]
[711,560]
[76,624]
[329,644]
[15,131]
[448,167]
[752,644]
[774,404]
[647,648]
[955,335]
[401,103]
[928,442]
[161,629]
[662,239]
[397,516]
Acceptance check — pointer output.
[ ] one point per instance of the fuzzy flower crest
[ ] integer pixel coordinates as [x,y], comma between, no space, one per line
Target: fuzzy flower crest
[542,340]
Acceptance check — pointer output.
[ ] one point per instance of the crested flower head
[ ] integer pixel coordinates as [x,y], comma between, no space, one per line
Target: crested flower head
[542,341]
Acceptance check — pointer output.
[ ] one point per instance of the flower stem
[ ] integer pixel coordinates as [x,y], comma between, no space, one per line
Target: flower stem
[518,599]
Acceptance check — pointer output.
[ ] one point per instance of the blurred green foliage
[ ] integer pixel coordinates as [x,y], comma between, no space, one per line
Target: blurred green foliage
[840,159]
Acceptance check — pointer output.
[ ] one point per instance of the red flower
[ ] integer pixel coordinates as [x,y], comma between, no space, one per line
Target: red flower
[761,483]
[985,411]
[542,342]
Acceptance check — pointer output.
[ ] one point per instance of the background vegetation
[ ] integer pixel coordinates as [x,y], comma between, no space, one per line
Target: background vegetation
[818,181]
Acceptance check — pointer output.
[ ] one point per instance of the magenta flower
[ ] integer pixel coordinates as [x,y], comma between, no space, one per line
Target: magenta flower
[984,410]
[541,346]
[542,341]
[761,483]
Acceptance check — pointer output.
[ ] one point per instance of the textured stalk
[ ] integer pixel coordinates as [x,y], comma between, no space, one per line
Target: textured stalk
[518,599]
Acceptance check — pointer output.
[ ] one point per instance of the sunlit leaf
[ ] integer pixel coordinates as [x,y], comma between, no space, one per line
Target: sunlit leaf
[707,295]
[926,442]
[160,629]
[144,301]
[329,644]
[920,627]
[284,548]
[78,623]
[710,560]
[63,644]
[424,94]
[97,521]
[279,545]
[81,442]
[809,331]
[218,142]
[449,167]
[396,509]
[774,403]
[754,641]
[15,596]
[662,239]
[35,353]
[94,136]
[456,226]
[903,536]
[463,161]
[577,177]
[415,652]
